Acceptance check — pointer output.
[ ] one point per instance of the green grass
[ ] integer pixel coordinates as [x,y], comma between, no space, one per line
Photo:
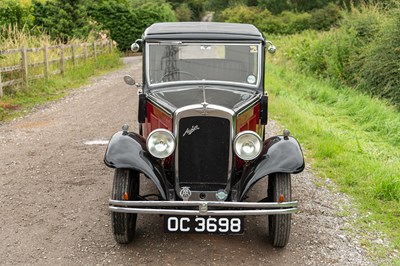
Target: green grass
[352,139]
[18,100]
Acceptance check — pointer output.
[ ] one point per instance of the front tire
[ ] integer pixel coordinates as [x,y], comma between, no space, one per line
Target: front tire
[124,224]
[279,225]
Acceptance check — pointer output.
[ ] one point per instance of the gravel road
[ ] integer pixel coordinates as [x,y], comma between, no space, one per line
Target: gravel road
[55,191]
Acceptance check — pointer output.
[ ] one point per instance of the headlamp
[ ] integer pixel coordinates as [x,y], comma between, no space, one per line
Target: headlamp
[247,145]
[160,143]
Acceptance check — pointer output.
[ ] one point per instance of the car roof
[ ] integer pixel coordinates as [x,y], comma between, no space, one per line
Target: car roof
[202,31]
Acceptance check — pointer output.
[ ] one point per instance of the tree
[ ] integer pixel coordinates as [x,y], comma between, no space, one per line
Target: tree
[275,6]
[240,14]
[119,19]
[183,12]
[127,20]
[15,14]
[307,5]
[63,19]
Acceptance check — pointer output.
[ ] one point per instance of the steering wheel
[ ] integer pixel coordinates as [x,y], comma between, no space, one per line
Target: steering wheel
[178,71]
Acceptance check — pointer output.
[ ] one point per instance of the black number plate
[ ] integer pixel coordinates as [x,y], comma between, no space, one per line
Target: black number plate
[204,224]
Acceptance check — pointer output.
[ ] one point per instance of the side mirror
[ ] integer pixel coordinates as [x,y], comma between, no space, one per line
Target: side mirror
[135,46]
[271,47]
[129,80]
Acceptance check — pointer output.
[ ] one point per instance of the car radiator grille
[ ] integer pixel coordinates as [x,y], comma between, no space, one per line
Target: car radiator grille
[203,154]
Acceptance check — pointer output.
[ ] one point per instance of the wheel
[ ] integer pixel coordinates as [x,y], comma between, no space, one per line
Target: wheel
[124,224]
[279,225]
[177,71]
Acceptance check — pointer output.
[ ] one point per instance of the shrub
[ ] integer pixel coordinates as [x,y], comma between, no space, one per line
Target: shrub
[379,68]
[241,14]
[126,23]
[183,12]
[363,53]
[307,5]
[325,18]
[15,14]
[119,19]
[286,22]
[197,8]
[63,19]
[151,12]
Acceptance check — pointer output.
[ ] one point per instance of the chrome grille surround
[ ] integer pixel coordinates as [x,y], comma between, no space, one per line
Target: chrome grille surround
[211,111]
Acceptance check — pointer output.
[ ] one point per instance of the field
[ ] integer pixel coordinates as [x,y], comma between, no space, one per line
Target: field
[349,138]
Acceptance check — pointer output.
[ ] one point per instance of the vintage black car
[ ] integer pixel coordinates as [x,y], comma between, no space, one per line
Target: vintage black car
[202,115]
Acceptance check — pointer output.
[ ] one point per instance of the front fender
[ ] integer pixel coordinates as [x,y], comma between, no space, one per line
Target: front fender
[280,154]
[128,150]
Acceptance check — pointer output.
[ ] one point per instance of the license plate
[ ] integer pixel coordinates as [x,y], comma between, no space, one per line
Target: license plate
[204,224]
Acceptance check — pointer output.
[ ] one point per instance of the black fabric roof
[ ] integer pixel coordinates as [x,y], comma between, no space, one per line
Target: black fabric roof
[203,30]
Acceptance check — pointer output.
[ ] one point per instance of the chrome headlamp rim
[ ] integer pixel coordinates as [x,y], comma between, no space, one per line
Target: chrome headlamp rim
[256,138]
[168,136]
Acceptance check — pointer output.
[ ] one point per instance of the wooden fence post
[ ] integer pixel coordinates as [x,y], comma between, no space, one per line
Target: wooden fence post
[95,51]
[25,64]
[73,54]
[110,46]
[23,68]
[62,60]
[1,87]
[85,55]
[46,62]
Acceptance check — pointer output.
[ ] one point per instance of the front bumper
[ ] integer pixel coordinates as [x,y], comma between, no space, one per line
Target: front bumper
[214,208]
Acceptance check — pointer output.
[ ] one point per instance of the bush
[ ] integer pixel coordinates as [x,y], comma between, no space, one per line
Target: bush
[363,53]
[127,23]
[379,68]
[286,22]
[119,19]
[150,13]
[241,14]
[183,12]
[325,18]
[275,6]
[63,19]
[15,14]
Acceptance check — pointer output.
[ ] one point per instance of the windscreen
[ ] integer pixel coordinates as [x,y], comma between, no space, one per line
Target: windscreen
[237,63]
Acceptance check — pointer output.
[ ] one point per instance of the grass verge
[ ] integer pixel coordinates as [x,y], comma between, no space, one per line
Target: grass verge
[19,100]
[353,140]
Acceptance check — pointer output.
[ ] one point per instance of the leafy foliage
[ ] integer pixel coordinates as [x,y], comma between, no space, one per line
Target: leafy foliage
[275,6]
[196,8]
[150,13]
[183,12]
[63,19]
[241,14]
[120,19]
[325,18]
[286,22]
[126,21]
[362,53]
[307,5]
[15,14]
[379,71]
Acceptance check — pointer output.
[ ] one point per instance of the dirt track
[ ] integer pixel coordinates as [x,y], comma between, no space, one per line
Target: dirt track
[55,191]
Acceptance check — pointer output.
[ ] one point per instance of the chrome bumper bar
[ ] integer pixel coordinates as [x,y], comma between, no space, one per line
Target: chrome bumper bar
[214,208]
